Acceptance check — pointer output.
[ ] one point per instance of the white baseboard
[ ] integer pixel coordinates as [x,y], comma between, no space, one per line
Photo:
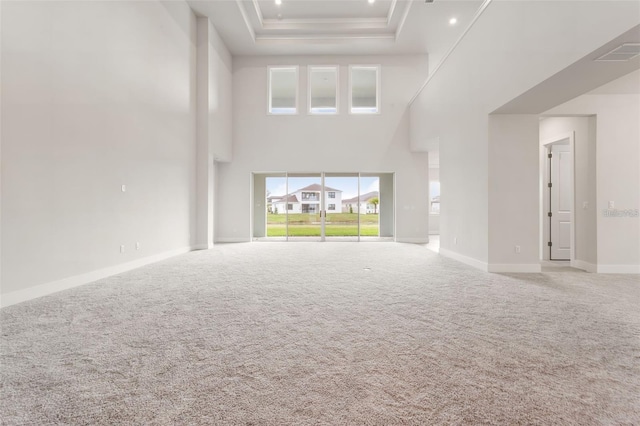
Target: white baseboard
[464,259]
[77,280]
[515,268]
[618,269]
[233,240]
[413,240]
[585,266]
[204,246]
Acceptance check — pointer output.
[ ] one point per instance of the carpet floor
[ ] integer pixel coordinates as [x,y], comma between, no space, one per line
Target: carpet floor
[325,334]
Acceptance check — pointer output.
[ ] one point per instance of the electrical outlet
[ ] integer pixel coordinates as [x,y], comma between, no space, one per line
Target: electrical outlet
[517,249]
[455,240]
[121,249]
[138,245]
[612,205]
[124,188]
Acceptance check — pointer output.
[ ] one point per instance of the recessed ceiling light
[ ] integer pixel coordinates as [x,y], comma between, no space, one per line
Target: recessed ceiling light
[453,21]
[371,1]
[278,2]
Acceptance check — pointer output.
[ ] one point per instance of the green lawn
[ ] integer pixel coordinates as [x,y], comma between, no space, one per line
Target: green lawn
[330,231]
[331,217]
[308,225]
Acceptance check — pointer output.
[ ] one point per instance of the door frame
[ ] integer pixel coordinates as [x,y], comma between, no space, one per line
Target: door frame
[545,222]
[258,219]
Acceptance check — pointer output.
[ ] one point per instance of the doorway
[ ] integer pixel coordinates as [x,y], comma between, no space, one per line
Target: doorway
[558,225]
[323,206]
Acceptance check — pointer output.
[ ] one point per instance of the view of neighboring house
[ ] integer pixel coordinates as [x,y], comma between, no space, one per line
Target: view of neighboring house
[306,200]
[364,202]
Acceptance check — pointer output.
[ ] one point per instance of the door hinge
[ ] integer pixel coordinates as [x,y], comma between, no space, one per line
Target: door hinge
[549,184]
[550,155]
[549,244]
[549,214]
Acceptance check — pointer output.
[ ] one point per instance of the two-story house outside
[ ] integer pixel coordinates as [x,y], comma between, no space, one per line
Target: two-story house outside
[363,202]
[307,200]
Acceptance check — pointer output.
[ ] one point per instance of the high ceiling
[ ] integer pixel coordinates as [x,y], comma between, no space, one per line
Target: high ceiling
[343,27]
[392,27]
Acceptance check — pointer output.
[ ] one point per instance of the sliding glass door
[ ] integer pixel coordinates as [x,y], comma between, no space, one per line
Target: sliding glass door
[324,207]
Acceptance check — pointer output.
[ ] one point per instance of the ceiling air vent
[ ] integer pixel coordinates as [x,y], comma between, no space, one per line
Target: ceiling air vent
[624,52]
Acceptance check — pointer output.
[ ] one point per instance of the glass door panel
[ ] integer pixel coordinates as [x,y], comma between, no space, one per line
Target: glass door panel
[326,206]
[369,206]
[342,207]
[276,223]
[304,206]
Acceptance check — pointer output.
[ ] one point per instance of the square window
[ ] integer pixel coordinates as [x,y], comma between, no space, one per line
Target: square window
[364,89]
[332,195]
[283,90]
[331,207]
[323,89]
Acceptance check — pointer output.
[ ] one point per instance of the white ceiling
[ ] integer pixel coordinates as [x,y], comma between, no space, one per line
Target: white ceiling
[581,77]
[337,27]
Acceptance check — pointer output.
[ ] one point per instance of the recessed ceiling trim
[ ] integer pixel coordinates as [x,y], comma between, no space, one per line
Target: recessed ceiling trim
[247,22]
[404,19]
[322,37]
[324,24]
[392,9]
[258,11]
[325,21]
[328,30]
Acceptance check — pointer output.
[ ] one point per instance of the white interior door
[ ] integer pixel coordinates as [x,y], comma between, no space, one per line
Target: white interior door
[561,202]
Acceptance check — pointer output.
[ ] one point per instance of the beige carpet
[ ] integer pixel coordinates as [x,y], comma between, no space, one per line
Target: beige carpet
[325,334]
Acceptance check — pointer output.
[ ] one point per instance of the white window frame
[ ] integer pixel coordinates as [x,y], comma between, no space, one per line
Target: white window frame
[269,98]
[431,198]
[336,68]
[378,69]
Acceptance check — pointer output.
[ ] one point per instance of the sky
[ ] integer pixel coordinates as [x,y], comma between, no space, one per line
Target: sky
[348,185]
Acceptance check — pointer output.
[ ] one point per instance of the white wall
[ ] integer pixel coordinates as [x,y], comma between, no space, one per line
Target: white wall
[213,131]
[583,128]
[617,174]
[340,143]
[220,97]
[513,47]
[95,95]
[259,186]
[513,193]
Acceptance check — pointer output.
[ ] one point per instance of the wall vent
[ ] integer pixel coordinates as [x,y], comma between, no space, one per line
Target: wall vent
[624,52]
